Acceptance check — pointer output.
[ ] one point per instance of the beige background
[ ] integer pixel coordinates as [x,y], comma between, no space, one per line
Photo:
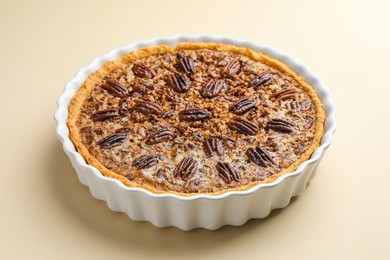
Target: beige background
[47,214]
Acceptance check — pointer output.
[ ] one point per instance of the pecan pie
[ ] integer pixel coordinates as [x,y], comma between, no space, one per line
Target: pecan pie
[198,118]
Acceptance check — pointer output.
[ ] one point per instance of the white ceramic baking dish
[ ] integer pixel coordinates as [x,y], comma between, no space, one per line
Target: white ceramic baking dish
[200,211]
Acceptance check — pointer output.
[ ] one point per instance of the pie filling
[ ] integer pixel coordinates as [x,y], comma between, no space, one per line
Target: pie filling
[196,120]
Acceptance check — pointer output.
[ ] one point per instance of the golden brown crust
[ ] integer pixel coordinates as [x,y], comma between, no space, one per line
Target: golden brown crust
[97,76]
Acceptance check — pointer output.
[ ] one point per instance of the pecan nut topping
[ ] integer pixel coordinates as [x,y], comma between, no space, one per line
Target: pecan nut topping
[227,173]
[112,140]
[115,87]
[159,136]
[179,82]
[172,98]
[243,126]
[212,145]
[144,162]
[262,80]
[105,114]
[194,114]
[260,156]
[242,106]
[142,71]
[231,68]
[284,94]
[139,89]
[212,88]
[280,125]
[186,65]
[147,108]
[124,130]
[294,105]
[186,168]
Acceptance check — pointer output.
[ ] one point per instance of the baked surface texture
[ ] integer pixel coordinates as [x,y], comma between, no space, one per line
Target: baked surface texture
[200,118]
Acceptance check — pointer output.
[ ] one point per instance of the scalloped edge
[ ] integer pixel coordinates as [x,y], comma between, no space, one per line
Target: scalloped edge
[104,188]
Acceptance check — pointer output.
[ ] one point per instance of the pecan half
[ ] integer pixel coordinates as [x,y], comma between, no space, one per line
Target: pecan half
[139,89]
[231,68]
[172,98]
[242,106]
[212,88]
[112,140]
[179,82]
[129,176]
[144,162]
[142,71]
[124,130]
[262,80]
[226,172]
[147,108]
[283,94]
[186,65]
[159,136]
[294,105]
[212,145]
[105,114]
[260,156]
[280,125]
[115,87]
[243,126]
[186,168]
[194,114]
